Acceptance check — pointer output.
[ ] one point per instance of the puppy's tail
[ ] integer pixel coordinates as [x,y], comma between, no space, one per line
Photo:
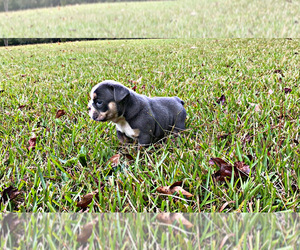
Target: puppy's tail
[179,100]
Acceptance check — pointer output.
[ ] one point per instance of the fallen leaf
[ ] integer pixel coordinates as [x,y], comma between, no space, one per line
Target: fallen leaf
[114,160]
[218,161]
[10,223]
[170,218]
[225,239]
[225,205]
[174,188]
[60,113]
[86,231]
[242,167]
[287,90]
[222,137]
[129,157]
[32,143]
[222,100]
[279,71]
[22,106]
[225,171]
[87,199]
[10,193]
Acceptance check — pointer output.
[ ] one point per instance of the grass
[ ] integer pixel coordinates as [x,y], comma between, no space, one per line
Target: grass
[136,231]
[72,153]
[158,19]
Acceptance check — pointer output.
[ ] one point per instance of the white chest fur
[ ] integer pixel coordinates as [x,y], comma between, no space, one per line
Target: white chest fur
[124,127]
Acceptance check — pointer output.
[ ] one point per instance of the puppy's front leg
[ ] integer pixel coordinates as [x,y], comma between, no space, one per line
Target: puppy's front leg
[144,139]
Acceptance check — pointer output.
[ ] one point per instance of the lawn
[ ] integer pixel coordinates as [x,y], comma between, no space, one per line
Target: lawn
[158,19]
[242,101]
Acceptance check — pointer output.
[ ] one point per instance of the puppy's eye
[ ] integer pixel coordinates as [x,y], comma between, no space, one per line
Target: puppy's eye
[99,103]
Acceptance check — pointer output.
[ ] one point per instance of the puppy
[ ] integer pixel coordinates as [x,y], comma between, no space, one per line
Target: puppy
[137,117]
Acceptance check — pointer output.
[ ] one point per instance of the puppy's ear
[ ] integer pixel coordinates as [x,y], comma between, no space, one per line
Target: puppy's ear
[120,93]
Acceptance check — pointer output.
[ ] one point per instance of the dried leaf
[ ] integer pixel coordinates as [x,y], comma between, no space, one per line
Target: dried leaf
[170,218]
[10,223]
[87,199]
[225,205]
[287,90]
[60,113]
[32,143]
[86,231]
[218,161]
[129,157]
[279,71]
[225,171]
[114,160]
[243,169]
[222,137]
[222,100]
[174,188]
[22,106]
[10,193]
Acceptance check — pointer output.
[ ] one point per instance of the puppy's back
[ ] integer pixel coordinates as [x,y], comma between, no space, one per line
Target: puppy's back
[169,111]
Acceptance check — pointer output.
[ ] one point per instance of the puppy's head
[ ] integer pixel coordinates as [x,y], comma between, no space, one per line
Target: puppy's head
[105,99]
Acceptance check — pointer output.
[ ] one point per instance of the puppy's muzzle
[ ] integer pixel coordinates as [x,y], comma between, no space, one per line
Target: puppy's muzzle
[110,115]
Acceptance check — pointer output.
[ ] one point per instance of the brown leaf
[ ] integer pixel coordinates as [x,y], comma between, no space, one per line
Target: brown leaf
[87,199]
[170,218]
[243,169]
[114,160]
[287,90]
[174,188]
[86,231]
[222,100]
[10,223]
[225,171]
[22,106]
[32,143]
[279,71]
[10,193]
[224,136]
[218,161]
[129,157]
[225,205]
[60,113]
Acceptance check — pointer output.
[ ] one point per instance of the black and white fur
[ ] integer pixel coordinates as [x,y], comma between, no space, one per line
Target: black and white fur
[137,117]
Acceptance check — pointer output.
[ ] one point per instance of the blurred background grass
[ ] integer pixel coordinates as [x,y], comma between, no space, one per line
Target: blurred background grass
[158,19]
